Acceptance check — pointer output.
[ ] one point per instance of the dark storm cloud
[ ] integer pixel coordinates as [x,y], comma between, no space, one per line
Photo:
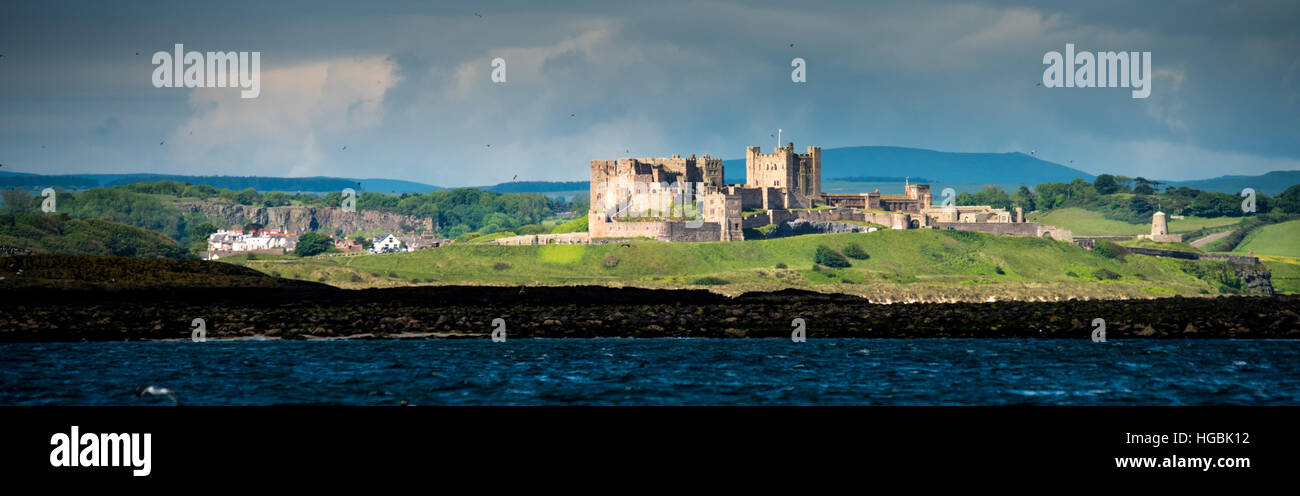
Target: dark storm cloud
[657,78]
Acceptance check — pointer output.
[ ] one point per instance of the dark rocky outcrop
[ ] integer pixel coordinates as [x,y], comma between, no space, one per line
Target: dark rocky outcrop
[1257,278]
[42,314]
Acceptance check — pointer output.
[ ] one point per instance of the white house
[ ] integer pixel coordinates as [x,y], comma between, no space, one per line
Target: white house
[386,243]
[224,243]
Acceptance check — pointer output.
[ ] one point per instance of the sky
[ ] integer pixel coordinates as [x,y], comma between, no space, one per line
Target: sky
[407,87]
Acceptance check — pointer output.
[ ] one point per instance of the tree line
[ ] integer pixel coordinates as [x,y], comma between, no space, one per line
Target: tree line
[151,206]
[1130,199]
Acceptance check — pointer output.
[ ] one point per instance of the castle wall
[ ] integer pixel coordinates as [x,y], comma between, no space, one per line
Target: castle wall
[545,239]
[662,230]
[1010,229]
[888,219]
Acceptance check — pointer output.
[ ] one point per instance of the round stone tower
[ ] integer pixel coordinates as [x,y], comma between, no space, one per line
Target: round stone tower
[1159,227]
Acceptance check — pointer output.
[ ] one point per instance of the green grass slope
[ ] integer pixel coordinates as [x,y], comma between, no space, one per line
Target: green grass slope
[60,234]
[1088,223]
[902,265]
[1286,273]
[1278,239]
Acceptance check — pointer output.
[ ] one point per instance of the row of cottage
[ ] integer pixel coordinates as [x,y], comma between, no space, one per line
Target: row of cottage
[224,243]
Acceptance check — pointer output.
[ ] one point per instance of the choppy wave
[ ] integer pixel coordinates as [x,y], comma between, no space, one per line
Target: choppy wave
[658,372]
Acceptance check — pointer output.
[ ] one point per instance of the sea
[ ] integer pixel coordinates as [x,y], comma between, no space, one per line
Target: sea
[685,371]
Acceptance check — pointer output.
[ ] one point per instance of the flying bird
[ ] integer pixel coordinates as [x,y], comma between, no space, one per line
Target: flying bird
[489,145]
[572,115]
[345,147]
[479,15]
[157,391]
[137,53]
[1038,84]
[160,143]
[1031,152]
[792,45]
[516,177]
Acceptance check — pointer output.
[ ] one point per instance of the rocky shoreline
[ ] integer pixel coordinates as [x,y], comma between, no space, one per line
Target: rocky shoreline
[50,315]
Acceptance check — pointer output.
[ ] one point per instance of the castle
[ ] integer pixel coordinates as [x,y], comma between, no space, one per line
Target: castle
[686,199]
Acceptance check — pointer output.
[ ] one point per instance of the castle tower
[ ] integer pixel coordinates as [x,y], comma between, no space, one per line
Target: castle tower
[814,172]
[1159,227]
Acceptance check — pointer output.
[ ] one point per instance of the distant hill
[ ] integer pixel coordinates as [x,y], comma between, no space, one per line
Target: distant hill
[538,186]
[945,167]
[318,184]
[1270,184]
[855,163]
[22,180]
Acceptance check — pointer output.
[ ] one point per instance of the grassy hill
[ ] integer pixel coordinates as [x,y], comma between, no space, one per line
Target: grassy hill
[60,234]
[1281,239]
[1088,223]
[1286,272]
[902,265]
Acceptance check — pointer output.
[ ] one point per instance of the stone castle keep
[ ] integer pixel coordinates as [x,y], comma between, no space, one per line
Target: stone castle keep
[686,199]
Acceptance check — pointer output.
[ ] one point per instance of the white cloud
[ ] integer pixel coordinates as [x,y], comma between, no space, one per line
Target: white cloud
[1012,26]
[303,112]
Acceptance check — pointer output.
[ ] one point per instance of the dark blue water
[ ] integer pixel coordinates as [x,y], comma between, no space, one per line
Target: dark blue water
[658,372]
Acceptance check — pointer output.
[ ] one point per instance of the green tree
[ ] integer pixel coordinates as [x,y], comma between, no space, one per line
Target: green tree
[313,243]
[830,258]
[1025,199]
[854,250]
[18,201]
[360,239]
[1105,184]
[275,199]
[1288,201]
[248,196]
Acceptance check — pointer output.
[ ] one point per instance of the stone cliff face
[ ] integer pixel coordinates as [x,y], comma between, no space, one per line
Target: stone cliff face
[1258,279]
[302,219]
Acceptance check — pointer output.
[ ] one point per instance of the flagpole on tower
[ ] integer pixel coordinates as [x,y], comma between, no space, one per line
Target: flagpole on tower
[778,138]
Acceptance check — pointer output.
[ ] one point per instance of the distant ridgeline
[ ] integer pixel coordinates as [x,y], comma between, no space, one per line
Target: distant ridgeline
[987,168]
[854,164]
[883,179]
[37,182]
[78,182]
[539,186]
